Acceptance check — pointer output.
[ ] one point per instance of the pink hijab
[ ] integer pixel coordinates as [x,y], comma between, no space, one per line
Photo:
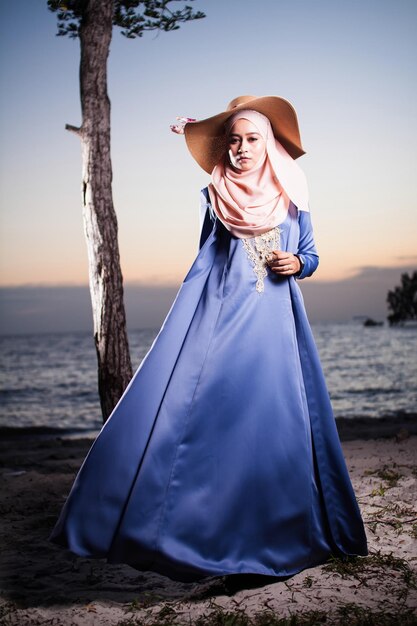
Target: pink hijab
[251,203]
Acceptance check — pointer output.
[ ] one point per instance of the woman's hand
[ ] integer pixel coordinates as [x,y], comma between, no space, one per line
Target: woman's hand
[284,263]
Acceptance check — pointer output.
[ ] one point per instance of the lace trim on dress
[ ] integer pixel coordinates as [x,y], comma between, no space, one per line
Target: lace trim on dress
[258,250]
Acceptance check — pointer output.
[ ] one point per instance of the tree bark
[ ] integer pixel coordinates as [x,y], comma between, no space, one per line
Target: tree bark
[100,222]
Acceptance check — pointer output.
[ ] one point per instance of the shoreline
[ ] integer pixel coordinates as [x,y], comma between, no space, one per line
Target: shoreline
[349,429]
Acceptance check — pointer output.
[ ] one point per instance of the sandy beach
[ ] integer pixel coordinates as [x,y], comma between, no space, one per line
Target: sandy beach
[42,584]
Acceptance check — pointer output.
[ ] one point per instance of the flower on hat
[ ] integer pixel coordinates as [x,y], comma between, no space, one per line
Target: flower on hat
[179,128]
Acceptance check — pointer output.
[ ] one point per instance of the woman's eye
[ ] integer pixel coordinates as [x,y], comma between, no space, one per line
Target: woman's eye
[252,139]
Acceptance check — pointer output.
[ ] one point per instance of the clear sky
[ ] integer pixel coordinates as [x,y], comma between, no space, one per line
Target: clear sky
[348,68]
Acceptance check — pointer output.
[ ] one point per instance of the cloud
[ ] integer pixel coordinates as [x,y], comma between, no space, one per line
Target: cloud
[412,258]
[40,309]
[363,294]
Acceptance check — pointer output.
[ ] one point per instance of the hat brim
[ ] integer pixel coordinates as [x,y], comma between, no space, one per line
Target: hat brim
[207,142]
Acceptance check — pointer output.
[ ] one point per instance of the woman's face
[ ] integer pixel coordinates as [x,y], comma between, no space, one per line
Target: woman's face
[246,145]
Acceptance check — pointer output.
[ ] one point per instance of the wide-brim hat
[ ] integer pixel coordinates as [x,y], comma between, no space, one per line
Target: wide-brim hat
[207,141]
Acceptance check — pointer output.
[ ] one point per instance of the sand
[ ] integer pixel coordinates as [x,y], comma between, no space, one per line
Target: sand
[43,584]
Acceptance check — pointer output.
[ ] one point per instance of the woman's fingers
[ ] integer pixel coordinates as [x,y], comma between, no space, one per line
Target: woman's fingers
[284,271]
[283,263]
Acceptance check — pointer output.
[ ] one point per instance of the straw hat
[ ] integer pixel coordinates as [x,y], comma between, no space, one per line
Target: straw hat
[207,142]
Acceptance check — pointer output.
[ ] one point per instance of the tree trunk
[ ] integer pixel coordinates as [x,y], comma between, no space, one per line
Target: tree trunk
[100,222]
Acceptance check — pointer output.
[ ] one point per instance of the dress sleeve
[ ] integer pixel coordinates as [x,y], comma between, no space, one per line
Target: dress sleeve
[306,247]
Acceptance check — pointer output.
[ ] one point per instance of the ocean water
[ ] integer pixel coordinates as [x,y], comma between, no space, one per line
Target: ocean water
[50,380]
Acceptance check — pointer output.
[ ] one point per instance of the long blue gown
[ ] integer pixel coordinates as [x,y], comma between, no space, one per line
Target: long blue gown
[222,456]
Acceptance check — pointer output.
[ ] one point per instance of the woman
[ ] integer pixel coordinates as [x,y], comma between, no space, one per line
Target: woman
[222,457]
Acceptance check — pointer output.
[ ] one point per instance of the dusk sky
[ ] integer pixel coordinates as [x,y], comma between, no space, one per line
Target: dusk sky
[348,68]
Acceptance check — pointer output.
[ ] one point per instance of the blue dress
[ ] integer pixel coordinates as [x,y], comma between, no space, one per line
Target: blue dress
[222,455]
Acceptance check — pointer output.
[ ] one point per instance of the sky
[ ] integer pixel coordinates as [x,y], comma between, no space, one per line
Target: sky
[347,67]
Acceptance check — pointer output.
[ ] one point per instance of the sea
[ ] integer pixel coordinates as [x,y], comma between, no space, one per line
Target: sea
[49,381]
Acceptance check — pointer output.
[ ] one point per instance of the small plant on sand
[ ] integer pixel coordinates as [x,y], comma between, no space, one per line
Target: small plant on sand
[309,618]
[345,567]
[379,491]
[148,598]
[389,475]
[393,514]
[308,582]
[223,618]
[376,563]
[263,618]
[135,605]
[345,615]
[166,616]
[354,615]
